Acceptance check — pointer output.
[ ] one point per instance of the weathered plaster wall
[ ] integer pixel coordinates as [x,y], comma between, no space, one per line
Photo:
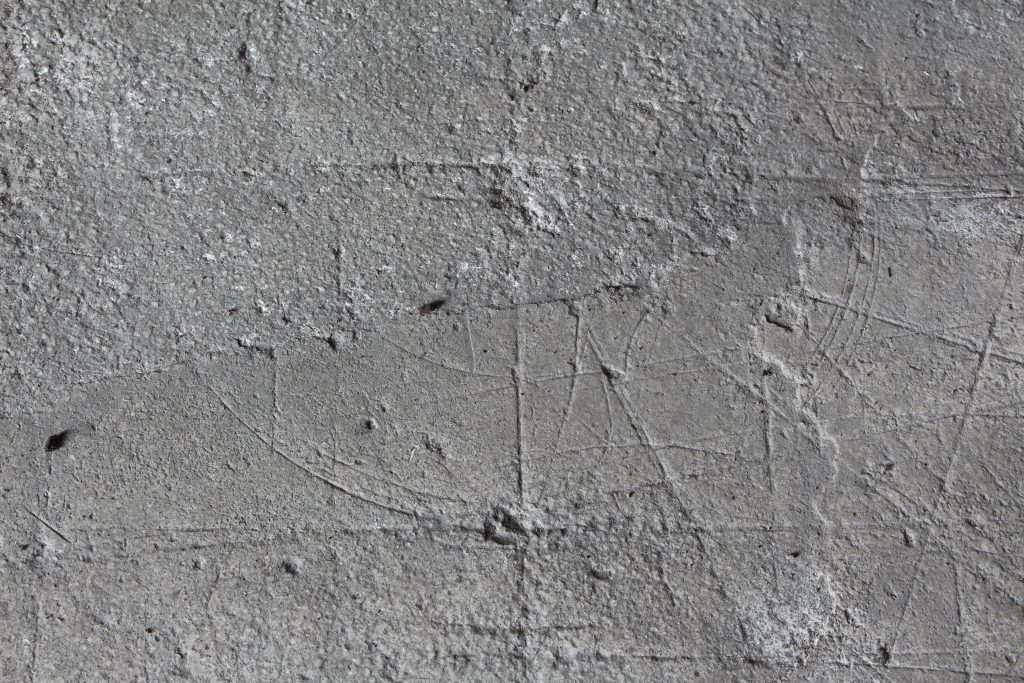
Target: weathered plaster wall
[511,341]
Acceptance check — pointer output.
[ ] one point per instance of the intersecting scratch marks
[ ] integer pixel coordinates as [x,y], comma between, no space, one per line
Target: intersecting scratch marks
[709,558]
[663,579]
[654,340]
[914,328]
[865,305]
[861,395]
[637,423]
[898,630]
[982,364]
[832,327]
[439,364]
[331,483]
[390,482]
[861,311]
[979,371]
[962,324]
[633,337]
[755,393]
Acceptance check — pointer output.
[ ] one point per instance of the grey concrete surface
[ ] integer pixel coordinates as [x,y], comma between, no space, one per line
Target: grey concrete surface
[463,340]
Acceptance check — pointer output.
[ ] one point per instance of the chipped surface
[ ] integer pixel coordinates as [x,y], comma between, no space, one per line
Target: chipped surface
[513,341]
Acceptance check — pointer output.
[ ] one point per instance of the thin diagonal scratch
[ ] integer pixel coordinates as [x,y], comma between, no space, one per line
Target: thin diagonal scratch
[982,363]
[632,338]
[48,525]
[638,426]
[575,382]
[472,346]
[910,592]
[333,484]
[434,362]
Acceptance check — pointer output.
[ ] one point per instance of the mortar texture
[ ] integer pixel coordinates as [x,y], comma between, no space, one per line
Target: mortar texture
[467,340]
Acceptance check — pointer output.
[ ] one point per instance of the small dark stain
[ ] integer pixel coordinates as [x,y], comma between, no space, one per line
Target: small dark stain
[57,441]
[232,310]
[884,655]
[432,307]
[149,630]
[370,424]
[887,467]
[849,288]
[795,554]
[332,341]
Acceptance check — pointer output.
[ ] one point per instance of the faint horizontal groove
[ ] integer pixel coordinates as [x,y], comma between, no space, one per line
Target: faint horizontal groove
[666,657]
[932,669]
[582,530]
[247,535]
[623,289]
[909,184]
[913,328]
[494,629]
[659,447]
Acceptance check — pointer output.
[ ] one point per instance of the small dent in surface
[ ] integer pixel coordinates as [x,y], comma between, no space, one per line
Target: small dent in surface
[431,307]
[507,525]
[783,313]
[57,441]
[612,373]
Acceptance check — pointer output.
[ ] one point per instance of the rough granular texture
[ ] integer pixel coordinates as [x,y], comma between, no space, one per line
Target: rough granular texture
[460,340]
